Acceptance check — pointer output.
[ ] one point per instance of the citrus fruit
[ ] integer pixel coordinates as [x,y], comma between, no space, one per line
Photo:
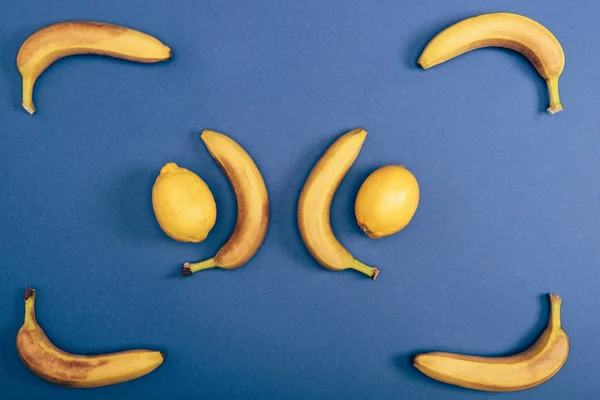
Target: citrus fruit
[387,201]
[183,204]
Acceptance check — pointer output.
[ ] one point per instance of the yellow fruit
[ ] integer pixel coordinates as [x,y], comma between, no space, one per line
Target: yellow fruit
[252,202]
[387,201]
[314,205]
[183,204]
[54,365]
[63,39]
[508,30]
[521,371]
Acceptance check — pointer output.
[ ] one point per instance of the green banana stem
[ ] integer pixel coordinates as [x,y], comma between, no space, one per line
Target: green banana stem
[27,101]
[555,104]
[30,321]
[555,304]
[365,269]
[192,268]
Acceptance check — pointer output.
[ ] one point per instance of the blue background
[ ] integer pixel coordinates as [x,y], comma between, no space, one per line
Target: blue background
[509,198]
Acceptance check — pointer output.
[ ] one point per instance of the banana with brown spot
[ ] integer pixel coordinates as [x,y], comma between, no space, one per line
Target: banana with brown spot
[252,203]
[63,39]
[511,31]
[314,205]
[79,371]
[525,370]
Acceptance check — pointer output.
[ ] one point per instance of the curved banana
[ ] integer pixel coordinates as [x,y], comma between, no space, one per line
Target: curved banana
[315,204]
[252,202]
[64,39]
[56,366]
[504,374]
[511,31]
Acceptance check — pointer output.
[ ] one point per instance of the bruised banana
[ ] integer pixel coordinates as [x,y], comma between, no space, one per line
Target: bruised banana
[252,203]
[521,371]
[315,204]
[64,39]
[71,370]
[511,31]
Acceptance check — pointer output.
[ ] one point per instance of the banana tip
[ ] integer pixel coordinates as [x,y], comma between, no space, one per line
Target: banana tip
[164,355]
[554,297]
[553,109]
[416,361]
[29,293]
[29,107]
[186,270]
[375,274]
[206,133]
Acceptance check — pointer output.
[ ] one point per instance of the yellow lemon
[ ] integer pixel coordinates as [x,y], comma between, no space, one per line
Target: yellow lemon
[183,204]
[387,201]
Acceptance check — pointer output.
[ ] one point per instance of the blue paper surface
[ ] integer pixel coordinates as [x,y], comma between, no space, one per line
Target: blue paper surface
[509,210]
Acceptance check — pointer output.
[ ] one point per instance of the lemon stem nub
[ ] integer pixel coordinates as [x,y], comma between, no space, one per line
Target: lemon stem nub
[192,268]
[365,269]
[555,104]
[555,303]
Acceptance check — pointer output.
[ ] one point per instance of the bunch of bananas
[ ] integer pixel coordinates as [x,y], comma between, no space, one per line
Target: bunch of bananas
[386,202]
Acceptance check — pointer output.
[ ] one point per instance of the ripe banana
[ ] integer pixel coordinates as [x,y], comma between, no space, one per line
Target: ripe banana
[252,202]
[315,204]
[56,366]
[504,374]
[511,31]
[64,39]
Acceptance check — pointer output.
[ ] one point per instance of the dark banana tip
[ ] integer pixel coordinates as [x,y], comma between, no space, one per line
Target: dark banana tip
[164,355]
[375,274]
[186,270]
[30,292]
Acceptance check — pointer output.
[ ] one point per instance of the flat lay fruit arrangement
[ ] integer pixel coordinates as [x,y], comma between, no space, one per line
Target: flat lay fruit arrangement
[386,200]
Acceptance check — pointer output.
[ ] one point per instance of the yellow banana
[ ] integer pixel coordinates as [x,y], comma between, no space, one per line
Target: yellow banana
[511,31]
[315,204]
[64,39]
[504,374]
[252,202]
[56,366]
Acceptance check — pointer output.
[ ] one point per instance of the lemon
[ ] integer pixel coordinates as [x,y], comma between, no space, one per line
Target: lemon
[387,201]
[183,204]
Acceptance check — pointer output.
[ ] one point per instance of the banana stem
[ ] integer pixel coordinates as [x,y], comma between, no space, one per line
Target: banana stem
[365,269]
[30,321]
[555,104]
[192,268]
[27,101]
[555,304]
